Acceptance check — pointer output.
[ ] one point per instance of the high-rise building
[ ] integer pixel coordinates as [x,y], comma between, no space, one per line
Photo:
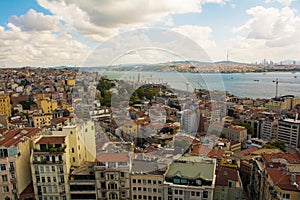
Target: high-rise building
[268,129]
[289,132]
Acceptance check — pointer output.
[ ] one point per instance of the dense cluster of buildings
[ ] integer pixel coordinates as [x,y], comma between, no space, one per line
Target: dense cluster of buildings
[58,142]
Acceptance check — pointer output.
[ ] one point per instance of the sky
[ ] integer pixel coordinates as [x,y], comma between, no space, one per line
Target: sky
[66,32]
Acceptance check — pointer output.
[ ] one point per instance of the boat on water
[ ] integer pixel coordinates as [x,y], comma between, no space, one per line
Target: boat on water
[256,80]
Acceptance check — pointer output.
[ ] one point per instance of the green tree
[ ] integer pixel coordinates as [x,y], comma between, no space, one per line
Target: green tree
[276,145]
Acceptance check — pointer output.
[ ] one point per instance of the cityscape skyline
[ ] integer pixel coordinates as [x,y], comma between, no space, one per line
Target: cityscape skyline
[33,32]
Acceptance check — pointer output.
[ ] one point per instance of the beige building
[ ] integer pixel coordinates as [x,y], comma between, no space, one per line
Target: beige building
[41,120]
[228,184]
[231,132]
[15,172]
[47,106]
[190,177]
[81,141]
[5,107]
[112,176]
[146,181]
[50,166]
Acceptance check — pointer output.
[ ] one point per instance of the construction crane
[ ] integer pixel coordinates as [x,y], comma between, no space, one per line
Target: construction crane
[277,82]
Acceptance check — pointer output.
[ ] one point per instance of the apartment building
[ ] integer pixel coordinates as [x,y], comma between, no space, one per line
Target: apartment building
[147,180]
[15,172]
[40,120]
[289,132]
[82,182]
[228,184]
[231,132]
[81,141]
[50,167]
[268,129]
[190,177]
[5,107]
[112,172]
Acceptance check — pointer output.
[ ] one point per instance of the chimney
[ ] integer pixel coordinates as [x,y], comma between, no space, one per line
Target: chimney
[293,178]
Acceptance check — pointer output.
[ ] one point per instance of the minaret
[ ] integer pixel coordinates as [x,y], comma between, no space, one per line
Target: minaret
[227,57]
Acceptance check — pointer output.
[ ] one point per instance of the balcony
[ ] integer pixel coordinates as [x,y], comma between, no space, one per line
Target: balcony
[44,161]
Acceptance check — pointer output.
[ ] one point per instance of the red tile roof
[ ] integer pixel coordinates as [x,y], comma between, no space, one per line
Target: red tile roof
[224,174]
[281,179]
[51,139]
[199,149]
[113,157]
[247,151]
[14,137]
[27,192]
[289,157]
[216,153]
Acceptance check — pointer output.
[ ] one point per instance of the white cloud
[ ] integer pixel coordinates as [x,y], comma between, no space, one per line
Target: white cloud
[200,34]
[34,21]
[283,2]
[271,24]
[100,20]
[271,33]
[23,45]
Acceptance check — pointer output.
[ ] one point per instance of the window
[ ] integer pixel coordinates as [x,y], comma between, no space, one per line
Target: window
[113,196]
[50,189]
[5,188]
[4,178]
[11,165]
[73,150]
[2,167]
[111,164]
[230,184]
[73,159]
[205,194]
[62,179]
[42,169]
[112,186]
[53,168]
[286,196]
[123,194]
[38,179]
[111,176]
[54,179]
[47,169]
[48,179]
[134,181]
[61,169]
[43,180]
